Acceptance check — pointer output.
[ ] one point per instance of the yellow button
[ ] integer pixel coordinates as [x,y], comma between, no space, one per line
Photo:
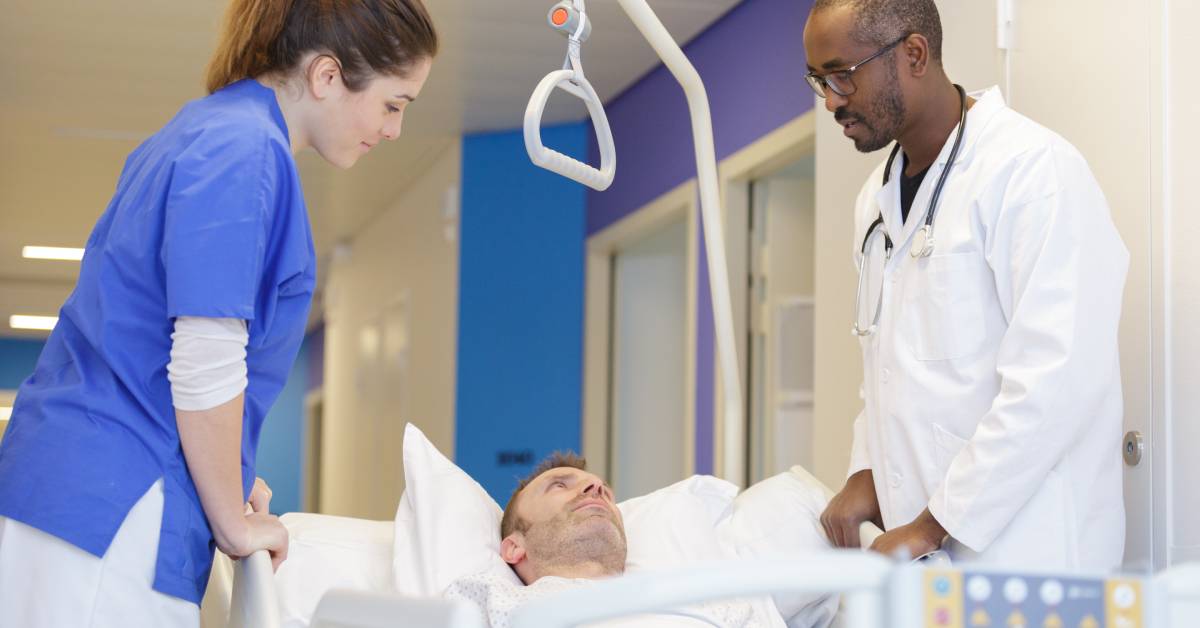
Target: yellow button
[1089,622]
[980,618]
[1052,621]
[1017,620]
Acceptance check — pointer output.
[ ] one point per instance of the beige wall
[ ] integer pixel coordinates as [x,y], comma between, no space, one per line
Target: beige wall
[391,316]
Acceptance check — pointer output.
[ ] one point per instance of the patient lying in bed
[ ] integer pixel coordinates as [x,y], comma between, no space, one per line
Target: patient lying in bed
[562,529]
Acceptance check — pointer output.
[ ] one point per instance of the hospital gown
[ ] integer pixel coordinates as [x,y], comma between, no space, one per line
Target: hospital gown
[497,597]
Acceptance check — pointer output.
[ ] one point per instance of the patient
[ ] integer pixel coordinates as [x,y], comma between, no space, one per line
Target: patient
[561,529]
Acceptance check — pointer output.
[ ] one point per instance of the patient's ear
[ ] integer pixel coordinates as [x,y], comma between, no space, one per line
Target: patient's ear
[512,548]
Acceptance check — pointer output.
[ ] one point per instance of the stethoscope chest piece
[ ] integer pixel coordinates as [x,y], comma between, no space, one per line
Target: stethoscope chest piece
[922,244]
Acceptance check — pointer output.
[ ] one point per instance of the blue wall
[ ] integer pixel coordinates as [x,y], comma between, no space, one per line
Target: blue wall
[18,357]
[520,322]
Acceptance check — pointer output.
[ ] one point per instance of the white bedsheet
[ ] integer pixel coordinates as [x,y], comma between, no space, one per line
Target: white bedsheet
[497,598]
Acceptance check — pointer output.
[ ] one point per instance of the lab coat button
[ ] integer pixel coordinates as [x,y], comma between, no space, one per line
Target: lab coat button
[886,375]
[894,479]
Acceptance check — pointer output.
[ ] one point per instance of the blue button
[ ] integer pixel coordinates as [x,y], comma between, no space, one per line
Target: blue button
[942,586]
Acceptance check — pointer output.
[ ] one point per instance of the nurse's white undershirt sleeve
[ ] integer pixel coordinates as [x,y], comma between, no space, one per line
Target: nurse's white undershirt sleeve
[208,362]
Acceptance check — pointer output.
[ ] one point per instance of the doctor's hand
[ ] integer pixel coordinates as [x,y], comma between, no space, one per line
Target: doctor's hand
[913,540]
[260,496]
[848,509]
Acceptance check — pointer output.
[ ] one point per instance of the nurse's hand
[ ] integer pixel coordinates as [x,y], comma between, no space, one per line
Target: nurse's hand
[262,532]
[913,540]
[848,509]
[260,496]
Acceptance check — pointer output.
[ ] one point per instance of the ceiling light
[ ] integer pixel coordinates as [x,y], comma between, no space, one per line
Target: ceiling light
[52,252]
[40,323]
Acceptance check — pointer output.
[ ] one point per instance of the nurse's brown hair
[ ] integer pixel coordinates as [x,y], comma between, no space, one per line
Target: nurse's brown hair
[366,37]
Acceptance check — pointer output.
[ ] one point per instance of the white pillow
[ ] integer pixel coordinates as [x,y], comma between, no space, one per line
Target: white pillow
[327,552]
[447,526]
[677,525]
[780,517]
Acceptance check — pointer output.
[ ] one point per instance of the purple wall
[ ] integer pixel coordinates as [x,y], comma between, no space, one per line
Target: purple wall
[753,66]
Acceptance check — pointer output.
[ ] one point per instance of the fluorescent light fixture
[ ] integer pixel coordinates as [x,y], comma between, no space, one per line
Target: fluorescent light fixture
[52,252]
[40,323]
[5,413]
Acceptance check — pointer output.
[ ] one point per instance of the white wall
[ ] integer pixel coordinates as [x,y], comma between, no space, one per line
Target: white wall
[1086,69]
[391,330]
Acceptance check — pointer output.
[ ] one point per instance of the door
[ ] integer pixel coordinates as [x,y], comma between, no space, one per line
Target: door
[647,416]
[781,320]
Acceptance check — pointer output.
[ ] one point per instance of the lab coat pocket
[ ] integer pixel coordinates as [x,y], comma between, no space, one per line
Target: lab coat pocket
[946,446]
[943,306]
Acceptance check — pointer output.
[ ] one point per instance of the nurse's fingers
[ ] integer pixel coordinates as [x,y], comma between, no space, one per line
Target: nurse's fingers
[260,496]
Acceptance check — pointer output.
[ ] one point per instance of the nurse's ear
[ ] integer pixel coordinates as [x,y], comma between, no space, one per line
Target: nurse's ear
[324,77]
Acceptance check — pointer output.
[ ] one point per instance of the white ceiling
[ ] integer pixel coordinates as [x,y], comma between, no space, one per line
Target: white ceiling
[83,81]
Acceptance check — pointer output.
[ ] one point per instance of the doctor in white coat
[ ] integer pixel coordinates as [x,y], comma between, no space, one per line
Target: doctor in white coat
[991,277]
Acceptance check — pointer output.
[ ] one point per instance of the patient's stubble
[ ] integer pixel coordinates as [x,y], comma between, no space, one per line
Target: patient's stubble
[576,537]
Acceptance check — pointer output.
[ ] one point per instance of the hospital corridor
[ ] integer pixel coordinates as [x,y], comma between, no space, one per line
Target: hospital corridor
[550,313]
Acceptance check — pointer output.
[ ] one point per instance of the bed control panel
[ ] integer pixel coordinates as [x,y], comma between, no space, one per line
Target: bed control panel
[978,599]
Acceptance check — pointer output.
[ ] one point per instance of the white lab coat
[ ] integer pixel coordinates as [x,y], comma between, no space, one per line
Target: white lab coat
[992,387]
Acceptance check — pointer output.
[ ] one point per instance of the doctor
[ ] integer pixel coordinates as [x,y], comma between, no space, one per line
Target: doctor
[131,449]
[990,291]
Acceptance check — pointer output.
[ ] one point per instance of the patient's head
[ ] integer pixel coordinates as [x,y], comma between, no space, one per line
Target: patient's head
[562,521]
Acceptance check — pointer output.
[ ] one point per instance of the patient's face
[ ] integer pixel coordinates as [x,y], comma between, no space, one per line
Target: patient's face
[572,518]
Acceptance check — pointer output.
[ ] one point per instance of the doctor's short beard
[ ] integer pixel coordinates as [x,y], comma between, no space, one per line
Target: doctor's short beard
[886,116]
[573,538]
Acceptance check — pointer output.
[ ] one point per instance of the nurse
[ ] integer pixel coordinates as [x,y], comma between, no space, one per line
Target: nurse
[988,307]
[130,452]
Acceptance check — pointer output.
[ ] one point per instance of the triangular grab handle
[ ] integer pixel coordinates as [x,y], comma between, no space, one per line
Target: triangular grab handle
[554,161]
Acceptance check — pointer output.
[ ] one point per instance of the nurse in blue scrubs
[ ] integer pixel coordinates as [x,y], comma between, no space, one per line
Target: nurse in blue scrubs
[130,452]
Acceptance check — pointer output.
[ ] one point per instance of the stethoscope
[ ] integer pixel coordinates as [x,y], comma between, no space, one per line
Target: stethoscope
[923,242]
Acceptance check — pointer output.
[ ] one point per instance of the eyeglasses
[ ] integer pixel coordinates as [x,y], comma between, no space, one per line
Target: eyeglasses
[841,82]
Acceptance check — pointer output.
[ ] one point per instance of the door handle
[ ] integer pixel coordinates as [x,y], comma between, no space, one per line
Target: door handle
[1133,448]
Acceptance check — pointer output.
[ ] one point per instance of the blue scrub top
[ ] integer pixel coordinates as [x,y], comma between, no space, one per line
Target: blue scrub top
[208,220]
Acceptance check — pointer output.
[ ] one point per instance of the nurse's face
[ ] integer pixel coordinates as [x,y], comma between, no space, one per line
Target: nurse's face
[873,114]
[349,124]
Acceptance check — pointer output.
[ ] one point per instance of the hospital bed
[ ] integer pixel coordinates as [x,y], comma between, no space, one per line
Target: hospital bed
[348,583]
